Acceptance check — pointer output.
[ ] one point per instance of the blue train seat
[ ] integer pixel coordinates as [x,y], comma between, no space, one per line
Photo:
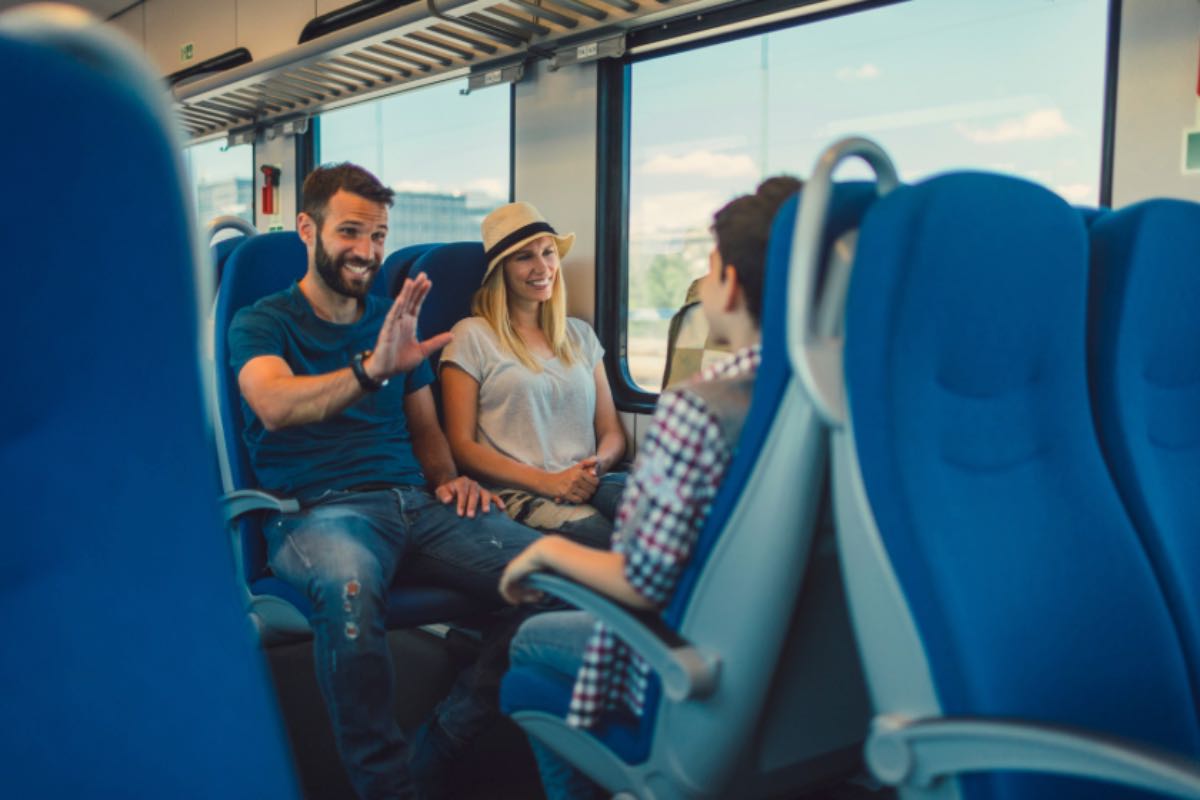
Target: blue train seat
[1144,367]
[128,667]
[455,271]
[233,230]
[264,264]
[395,269]
[756,687]
[1015,639]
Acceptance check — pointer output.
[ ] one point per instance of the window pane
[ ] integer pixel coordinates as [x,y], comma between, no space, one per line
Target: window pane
[1015,87]
[222,180]
[446,154]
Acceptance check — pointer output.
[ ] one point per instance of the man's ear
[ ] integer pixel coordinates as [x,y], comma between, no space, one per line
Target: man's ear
[730,287]
[306,226]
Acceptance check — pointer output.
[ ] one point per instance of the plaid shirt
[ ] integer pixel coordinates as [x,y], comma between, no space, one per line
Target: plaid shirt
[670,492]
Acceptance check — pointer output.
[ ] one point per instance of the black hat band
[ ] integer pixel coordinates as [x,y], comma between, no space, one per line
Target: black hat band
[520,234]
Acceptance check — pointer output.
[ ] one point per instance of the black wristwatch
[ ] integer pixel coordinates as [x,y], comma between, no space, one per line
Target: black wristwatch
[368,383]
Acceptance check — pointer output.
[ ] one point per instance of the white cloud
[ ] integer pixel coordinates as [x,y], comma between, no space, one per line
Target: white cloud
[866,72]
[675,211]
[702,163]
[1045,123]
[415,186]
[1083,193]
[488,186]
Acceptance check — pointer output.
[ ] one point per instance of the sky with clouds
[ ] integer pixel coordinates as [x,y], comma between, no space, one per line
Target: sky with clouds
[1006,85]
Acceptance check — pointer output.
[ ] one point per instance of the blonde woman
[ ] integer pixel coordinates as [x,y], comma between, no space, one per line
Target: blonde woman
[528,409]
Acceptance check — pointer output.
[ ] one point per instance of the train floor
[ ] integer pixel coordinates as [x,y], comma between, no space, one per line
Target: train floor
[498,766]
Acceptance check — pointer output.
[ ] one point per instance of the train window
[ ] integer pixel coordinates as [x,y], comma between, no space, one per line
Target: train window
[447,156]
[222,179]
[1015,87]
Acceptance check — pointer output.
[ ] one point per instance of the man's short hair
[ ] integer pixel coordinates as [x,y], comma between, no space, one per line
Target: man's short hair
[742,228]
[325,181]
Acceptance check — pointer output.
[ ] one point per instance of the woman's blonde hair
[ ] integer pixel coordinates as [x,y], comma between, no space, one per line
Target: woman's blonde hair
[491,303]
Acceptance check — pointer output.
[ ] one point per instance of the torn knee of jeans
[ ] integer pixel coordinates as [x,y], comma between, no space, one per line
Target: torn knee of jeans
[349,592]
[352,630]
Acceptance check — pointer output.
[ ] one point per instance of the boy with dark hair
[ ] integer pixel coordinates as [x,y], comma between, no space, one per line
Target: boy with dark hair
[339,414]
[668,497]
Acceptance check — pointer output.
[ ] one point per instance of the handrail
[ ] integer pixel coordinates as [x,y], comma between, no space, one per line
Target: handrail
[814,350]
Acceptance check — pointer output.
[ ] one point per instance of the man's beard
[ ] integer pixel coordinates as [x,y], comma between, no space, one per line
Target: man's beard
[331,271]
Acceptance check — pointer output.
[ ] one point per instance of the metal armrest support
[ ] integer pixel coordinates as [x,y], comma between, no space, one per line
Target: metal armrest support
[243,501]
[916,753]
[686,672]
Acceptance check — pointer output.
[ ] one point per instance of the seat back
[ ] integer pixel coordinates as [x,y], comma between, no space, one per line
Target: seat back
[690,347]
[761,592]
[991,568]
[1144,367]
[129,668]
[455,271]
[260,266]
[395,269]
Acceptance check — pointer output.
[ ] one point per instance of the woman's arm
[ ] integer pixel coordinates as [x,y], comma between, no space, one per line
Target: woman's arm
[610,437]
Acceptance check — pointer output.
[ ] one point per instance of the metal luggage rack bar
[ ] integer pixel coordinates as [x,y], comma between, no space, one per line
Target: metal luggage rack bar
[410,46]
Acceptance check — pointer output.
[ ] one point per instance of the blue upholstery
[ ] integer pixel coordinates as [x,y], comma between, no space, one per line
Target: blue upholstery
[265,264]
[128,668]
[1144,361]
[632,741]
[221,252]
[964,365]
[395,269]
[455,270]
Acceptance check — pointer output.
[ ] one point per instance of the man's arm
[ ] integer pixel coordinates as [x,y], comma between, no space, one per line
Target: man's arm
[433,453]
[429,445]
[281,399]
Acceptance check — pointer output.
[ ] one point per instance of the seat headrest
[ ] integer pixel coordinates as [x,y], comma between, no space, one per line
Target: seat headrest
[455,270]
[261,265]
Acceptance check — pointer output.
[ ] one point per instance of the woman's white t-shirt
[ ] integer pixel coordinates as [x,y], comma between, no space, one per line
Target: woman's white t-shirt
[544,419]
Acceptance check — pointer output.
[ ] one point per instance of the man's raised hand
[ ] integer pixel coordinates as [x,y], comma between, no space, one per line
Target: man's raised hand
[397,349]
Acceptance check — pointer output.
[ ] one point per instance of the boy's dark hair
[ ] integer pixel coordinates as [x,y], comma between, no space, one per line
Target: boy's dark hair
[325,181]
[742,228]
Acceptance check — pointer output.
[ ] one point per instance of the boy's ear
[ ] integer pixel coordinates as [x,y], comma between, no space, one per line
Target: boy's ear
[730,286]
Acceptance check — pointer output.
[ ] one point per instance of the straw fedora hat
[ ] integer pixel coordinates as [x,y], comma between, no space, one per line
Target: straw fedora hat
[511,227]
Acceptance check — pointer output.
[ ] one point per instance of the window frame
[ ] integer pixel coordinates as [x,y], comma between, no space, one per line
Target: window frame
[613,138]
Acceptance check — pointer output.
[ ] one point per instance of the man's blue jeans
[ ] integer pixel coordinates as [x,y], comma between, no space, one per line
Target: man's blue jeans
[343,551]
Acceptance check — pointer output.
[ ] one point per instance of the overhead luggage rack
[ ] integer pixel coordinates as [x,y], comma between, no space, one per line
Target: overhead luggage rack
[407,47]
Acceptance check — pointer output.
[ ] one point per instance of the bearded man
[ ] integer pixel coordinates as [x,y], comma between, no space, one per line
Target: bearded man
[340,416]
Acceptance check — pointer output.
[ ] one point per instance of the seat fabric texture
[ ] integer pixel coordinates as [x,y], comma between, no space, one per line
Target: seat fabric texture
[129,669]
[1144,366]
[965,371]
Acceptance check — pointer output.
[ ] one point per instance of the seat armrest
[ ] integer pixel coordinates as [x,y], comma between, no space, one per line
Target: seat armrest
[243,501]
[686,671]
[916,753]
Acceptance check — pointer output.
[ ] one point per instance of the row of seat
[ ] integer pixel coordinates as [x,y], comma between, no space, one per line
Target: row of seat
[1021,574]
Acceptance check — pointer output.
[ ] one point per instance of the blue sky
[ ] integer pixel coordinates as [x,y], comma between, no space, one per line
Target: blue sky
[1007,85]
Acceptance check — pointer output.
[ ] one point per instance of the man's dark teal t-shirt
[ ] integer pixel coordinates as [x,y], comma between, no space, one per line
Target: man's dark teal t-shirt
[368,442]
